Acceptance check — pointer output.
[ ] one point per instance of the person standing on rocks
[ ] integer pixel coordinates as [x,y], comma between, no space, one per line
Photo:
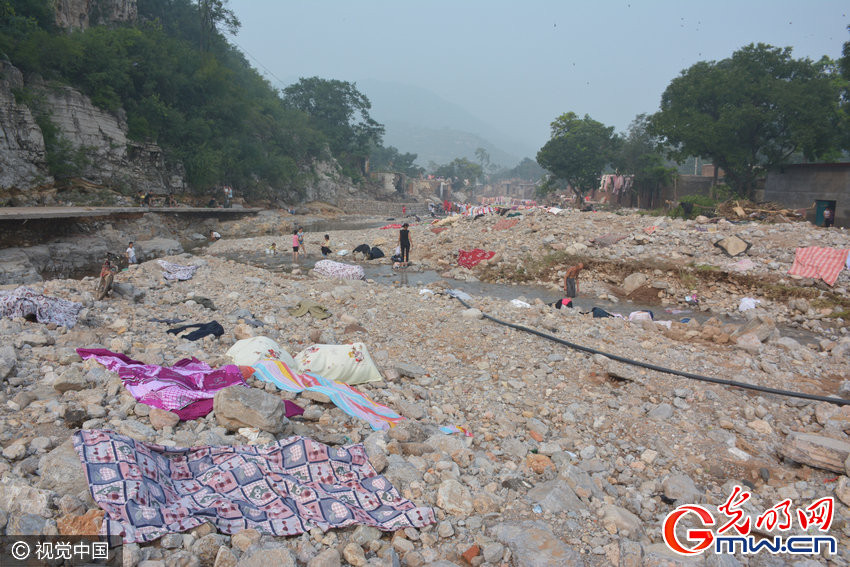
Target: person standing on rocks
[301,240]
[295,245]
[130,254]
[404,244]
[570,284]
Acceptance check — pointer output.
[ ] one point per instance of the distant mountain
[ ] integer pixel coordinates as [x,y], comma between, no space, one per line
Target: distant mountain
[421,122]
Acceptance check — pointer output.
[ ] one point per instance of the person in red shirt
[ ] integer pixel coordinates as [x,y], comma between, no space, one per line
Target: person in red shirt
[570,284]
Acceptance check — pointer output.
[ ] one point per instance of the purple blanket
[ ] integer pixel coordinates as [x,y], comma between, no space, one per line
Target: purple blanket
[26,302]
[187,388]
[284,488]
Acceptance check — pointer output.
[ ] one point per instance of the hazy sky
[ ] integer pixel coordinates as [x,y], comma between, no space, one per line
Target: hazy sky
[520,64]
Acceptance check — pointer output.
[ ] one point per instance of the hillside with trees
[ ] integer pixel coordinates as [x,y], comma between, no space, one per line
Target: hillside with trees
[181,85]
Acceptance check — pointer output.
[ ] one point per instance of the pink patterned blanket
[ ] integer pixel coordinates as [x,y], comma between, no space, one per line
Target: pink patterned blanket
[187,388]
[284,488]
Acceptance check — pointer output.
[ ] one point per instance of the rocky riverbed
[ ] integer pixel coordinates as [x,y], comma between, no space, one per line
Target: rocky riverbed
[573,459]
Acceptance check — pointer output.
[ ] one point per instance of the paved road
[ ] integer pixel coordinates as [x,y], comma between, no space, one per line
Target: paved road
[21,213]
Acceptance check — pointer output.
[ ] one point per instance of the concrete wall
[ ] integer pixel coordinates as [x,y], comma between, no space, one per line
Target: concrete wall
[380,208]
[799,186]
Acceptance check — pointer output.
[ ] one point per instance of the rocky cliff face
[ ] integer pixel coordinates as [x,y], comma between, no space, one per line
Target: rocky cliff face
[80,14]
[22,156]
[113,159]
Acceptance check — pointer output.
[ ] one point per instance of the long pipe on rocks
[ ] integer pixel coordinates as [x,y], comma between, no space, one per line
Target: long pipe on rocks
[647,365]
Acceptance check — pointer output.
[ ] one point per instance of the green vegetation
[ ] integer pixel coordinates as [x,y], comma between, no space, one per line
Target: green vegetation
[390,159]
[527,169]
[577,152]
[460,168]
[752,111]
[691,206]
[184,87]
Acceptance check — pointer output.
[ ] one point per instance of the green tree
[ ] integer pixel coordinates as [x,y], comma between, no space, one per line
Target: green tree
[212,14]
[340,111]
[577,152]
[641,155]
[459,170]
[751,111]
[391,159]
[527,169]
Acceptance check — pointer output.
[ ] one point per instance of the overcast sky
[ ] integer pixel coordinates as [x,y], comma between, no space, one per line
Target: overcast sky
[519,64]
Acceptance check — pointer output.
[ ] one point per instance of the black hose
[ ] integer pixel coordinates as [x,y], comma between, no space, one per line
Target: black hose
[733,383]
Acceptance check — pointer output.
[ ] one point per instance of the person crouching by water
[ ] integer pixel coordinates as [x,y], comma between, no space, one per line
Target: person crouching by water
[570,284]
[404,244]
[272,249]
[295,245]
[214,236]
[326,246]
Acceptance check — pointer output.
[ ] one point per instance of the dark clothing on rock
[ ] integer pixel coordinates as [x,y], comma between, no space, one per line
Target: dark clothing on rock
[202,330]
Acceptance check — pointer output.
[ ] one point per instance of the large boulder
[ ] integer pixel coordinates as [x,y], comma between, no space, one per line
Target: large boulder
[634,281]
[237,407]
[62,471]
[156,247]
[816,451]
[534,545]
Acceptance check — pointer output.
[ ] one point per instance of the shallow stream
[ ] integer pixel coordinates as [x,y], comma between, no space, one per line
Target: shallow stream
[385,274]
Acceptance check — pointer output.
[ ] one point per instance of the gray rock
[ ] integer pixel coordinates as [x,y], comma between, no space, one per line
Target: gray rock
[72,379]
[844,389]
[555,496]
[278,556]
[136,429]
[681,488]
[533,544]
[15,451]
[634,281]
[618,520]
[761,326]
[34,338]
[515,448]
[128,291]
[400,472]
[327,558]
[16,498]
[410,370]
[578,480]
[26,524]
[62,471]
[237,407]
[156,247]
[454,498]
[225,558]
[661,412]
[472,313]
[363,535]
[8,361]
[816,451]
[537,426]
[788,343]
[375,445]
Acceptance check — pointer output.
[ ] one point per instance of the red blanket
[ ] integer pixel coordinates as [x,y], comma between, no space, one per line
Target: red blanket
[823,263]
[391,226]
[471,258]
[439,229]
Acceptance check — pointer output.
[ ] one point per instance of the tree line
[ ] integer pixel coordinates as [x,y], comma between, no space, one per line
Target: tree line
[756,110]
[183,86]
